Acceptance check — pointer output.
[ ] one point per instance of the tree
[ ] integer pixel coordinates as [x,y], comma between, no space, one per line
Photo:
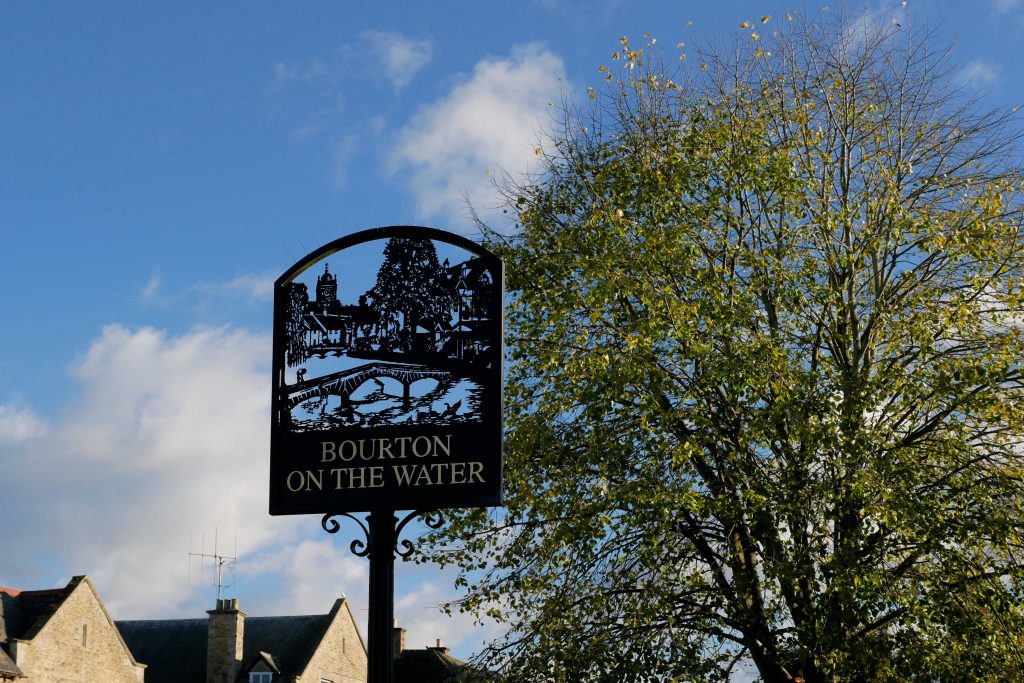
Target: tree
[295,306]
[765,402]
[410,282]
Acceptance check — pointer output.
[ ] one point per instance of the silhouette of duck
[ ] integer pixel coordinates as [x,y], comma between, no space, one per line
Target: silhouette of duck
[450,410]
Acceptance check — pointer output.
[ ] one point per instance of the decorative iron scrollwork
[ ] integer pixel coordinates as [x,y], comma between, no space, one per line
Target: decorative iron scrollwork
[433,519]
[404,548]
[359,547]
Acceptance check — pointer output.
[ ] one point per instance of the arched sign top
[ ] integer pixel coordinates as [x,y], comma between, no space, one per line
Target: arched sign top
[386,232]
[388,375]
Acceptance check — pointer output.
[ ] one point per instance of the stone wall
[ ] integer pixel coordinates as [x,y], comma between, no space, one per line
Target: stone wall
[341,656]
[224,643]
[78,644]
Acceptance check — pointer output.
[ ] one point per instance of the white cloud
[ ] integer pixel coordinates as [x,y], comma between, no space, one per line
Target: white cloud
[487,124]
[874,22]
[314,573]
[979,73]
[398,56]
[321,85]
[151,290]
[253,288]
[165,433]
[418,611]
[374,53]
[300,72]
[19,424]
[1002,7]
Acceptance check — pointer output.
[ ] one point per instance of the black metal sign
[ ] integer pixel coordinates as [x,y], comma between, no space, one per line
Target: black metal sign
[387,375]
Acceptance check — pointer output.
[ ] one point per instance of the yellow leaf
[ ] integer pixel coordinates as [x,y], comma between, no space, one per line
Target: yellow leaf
[765,18]
[745,24]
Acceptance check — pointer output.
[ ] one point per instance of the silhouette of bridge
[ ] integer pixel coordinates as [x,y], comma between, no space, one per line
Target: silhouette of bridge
[343,383]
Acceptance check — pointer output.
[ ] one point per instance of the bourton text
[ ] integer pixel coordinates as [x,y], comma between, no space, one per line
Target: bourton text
[373,476]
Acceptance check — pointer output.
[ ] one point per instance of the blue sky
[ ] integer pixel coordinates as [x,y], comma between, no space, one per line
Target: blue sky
[162,163]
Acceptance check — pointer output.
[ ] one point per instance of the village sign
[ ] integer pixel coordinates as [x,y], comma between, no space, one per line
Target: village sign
[387,375]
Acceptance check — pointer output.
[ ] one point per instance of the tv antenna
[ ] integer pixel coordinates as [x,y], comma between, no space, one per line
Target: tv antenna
[222,567]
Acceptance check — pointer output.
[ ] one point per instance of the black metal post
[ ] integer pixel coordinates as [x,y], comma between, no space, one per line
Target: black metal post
[382,538]
[381,531]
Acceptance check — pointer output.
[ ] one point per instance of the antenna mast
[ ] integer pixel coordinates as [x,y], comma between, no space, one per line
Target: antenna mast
[221,564]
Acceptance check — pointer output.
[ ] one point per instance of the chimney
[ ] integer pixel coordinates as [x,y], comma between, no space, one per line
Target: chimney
[224,638]
[439,648]
[397,638]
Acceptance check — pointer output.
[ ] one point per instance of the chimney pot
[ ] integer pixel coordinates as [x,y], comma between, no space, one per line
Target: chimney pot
[224,642]
[439,648]
[397,639]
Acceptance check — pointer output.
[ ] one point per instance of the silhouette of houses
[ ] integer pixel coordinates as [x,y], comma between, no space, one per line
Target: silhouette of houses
[463,329]
[469,331]
[327,326]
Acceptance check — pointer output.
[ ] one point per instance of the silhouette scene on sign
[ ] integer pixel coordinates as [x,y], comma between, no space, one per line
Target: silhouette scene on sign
[412,349]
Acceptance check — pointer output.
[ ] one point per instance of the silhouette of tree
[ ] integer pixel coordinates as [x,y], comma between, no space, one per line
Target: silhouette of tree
[410,291]
[295,331]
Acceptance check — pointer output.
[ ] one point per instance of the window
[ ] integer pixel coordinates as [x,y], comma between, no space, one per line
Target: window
[85,635]
[260,677]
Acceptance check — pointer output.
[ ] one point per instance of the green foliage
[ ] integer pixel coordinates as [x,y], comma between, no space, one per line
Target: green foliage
[765,400]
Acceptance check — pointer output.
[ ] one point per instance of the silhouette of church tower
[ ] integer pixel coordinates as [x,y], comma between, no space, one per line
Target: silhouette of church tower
[326,290]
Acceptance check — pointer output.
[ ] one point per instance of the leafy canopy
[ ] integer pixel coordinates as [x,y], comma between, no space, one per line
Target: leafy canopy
[765,403]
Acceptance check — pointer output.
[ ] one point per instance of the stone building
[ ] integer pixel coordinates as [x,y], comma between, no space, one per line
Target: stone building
[433,664]
[65,635]
[229,647]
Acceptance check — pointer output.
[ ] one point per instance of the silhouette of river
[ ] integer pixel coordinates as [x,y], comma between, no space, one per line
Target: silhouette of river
[380,402]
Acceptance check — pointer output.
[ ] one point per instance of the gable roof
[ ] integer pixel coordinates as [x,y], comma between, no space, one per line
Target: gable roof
[8,604]
[424,665]
[23,614]
[290,640]
[433,665]
[266,659]
[9,668]
[175,649]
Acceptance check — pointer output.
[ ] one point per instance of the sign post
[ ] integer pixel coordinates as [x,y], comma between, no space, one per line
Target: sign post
[387,393]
